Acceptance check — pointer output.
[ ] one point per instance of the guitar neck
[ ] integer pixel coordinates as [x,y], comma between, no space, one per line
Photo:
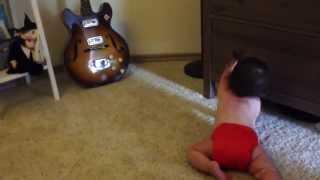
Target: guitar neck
[86,8]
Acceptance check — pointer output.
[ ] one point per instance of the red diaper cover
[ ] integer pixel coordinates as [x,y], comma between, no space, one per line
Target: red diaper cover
[233,145]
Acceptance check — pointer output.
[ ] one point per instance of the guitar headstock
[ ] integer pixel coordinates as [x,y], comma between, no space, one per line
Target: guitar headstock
[86,9]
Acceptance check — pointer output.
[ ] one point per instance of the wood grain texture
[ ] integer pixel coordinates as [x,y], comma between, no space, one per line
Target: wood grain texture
[293,14]
[292,52]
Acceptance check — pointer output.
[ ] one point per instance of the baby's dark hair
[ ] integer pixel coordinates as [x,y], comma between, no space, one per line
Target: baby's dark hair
[250,78]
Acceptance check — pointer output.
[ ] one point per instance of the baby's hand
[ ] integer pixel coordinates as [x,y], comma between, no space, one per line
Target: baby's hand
[230,66]
[228,69]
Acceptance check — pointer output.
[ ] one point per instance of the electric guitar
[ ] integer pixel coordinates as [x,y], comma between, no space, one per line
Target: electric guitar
[96,54]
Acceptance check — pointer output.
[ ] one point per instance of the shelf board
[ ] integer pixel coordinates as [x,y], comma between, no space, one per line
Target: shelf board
[4,77]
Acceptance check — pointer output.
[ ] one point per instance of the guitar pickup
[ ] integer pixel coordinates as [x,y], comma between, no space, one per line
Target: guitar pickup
[90,23]
[95,41]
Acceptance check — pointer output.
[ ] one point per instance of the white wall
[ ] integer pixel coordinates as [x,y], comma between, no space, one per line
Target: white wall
[149,26]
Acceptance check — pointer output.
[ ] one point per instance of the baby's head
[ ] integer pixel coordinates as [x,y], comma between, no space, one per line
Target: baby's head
[249,78]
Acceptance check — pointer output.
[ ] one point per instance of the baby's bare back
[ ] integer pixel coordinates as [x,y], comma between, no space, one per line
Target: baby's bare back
[234,109]
[242,111]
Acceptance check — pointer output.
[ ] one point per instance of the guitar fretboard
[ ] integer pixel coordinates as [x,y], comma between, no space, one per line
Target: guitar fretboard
[86,8]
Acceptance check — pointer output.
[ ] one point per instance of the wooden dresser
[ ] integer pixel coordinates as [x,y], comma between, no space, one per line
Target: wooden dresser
[284,33]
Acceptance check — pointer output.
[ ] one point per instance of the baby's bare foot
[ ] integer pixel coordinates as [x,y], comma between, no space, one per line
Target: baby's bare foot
[218,173]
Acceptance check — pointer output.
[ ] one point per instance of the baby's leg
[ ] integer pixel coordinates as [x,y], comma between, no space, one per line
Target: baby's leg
[262,167]
[199,156]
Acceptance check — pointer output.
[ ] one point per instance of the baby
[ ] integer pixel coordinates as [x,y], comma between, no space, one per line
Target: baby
[234,143]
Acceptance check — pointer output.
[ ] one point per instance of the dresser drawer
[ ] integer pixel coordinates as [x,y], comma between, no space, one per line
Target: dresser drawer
[301,15]
[294,59]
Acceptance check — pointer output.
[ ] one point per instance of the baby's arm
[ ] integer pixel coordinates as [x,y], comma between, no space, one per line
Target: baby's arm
[262,167]
[226,73]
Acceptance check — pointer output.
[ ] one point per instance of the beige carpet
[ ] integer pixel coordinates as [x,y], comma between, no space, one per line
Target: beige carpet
[127,130]
[138,128]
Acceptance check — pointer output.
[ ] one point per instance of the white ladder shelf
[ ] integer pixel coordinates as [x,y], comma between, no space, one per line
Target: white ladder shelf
[4,77]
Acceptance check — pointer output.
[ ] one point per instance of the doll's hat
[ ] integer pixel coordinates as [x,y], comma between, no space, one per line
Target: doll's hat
[28,25]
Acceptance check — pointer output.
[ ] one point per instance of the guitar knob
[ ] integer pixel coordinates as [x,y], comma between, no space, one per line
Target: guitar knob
[120,60]
[111,57]
[104,77]
[106,17]
[122,71]
[114,68]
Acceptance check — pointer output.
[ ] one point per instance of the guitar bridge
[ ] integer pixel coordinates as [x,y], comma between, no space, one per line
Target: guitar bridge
[99,64]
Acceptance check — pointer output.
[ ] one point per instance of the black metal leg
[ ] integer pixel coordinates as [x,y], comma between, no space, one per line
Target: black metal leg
[209,88]
[194,69]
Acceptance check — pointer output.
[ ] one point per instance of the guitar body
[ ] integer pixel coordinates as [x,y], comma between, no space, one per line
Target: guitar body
[96,54]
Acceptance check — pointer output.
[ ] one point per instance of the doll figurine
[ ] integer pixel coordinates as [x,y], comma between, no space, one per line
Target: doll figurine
[24,51]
